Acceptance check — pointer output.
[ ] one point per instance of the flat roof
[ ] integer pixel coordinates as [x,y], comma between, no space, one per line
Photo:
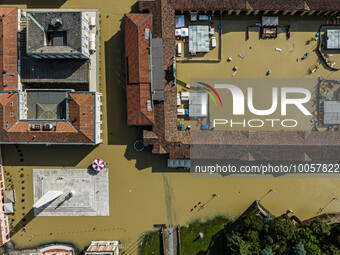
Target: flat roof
[157,69]
[331,112]
[333,39]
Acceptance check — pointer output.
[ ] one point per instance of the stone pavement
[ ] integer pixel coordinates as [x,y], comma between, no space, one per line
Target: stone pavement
[91,197]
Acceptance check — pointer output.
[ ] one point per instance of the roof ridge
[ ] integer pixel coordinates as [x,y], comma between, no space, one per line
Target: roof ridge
[13,9]
[140,14]
[248,6]
[147,117]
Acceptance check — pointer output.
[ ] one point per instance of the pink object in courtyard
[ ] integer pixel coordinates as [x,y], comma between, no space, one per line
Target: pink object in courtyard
[98,164]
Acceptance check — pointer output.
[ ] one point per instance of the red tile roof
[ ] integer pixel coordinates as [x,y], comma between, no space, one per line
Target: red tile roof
[79,128]
[245,5]
[138,89]
[137,47]
[8,49]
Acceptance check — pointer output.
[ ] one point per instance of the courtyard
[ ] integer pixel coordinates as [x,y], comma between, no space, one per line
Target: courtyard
[248,61]
[90,192]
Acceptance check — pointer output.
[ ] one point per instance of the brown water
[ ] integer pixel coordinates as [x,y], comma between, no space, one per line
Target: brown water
[142,190]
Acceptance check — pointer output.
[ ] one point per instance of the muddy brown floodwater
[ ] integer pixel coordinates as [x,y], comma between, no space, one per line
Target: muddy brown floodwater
[143,191]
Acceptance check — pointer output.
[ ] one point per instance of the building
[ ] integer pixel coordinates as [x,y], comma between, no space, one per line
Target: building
[103,247]
[139,94]
[332,39]
[9,199]
[4,226]
[331,112]
[49,85]
[165,137]
[55,35]
[47,249]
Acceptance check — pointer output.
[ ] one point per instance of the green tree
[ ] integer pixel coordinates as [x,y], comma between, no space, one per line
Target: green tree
[253,222]
[236,245]
[299,249]
[284,230]
[335,235]
[267,240]
[253,239]
[306,235]
[312,248]
[320,229]
[331,249]
[267,251]
[310,241]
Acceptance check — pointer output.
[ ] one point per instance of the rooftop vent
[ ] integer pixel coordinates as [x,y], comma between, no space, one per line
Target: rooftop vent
[36,127]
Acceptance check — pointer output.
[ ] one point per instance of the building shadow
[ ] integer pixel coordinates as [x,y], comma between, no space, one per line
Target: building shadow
[35,3]
[23,222]
[118,131]
[42,155]
[145,159]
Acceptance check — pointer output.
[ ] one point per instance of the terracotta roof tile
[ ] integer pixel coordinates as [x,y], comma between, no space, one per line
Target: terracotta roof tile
[137,47]
[224,5]
[78,129]
[208,5]
[81,107]
[8,49]
[137,96]
[137,53]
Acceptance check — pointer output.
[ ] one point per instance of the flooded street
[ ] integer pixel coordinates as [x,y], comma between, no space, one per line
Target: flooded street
[142,190]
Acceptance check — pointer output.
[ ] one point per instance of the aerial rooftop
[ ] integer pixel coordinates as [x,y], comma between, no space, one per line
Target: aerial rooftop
[51,102]
[167,137]
[56,32]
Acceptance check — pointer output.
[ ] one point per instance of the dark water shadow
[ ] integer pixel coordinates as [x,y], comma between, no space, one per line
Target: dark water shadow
[35,3]
[119,132]
[41,155]
[145,159]
[116,102]
[23,222]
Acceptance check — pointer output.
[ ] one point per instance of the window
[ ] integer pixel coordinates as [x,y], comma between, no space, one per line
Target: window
[11,103]
[11,114]
[6,126]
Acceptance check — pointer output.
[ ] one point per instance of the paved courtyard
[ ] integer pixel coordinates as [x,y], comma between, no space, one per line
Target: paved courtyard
[91,192]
